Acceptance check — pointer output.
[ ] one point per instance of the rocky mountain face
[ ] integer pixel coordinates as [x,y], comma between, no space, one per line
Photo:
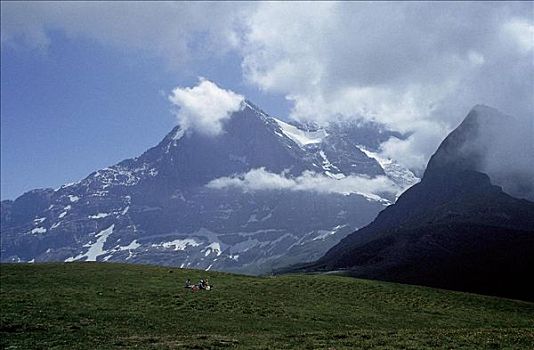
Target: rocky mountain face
[454,229]
[157,208]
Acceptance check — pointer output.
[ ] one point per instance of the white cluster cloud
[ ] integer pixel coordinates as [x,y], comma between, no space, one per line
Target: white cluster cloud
[417,67]
[263,180]
[521,33]
[205,107]
[180,32]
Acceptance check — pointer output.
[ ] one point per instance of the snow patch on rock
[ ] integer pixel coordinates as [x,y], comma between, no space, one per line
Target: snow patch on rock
[301,137]
[38,230]
[99,216]
[178,244]
[96,249]
[214,247]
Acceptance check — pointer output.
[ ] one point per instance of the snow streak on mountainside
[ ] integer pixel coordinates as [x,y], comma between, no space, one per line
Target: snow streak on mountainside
[403,177]
[163,207]
[301,137]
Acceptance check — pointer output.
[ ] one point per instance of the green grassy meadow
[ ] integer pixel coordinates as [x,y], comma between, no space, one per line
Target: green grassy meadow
[120,306]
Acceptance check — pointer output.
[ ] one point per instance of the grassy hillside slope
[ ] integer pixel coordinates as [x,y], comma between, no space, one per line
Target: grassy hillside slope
[103,306]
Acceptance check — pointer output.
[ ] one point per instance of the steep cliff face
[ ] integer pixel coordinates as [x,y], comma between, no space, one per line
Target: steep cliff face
[157,208]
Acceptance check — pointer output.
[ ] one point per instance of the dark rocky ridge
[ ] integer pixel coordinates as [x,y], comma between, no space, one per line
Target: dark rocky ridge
[454,229]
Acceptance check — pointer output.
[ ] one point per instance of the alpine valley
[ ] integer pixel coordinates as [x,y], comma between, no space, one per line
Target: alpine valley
[169,207]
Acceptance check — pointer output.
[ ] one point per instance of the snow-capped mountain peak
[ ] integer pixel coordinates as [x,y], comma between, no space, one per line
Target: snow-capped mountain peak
[156,208]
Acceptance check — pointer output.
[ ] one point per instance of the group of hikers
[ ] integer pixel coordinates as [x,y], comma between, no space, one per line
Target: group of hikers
[202,285]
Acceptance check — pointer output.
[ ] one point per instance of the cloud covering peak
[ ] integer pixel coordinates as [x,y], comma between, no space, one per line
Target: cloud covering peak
[417,67]
[205,107]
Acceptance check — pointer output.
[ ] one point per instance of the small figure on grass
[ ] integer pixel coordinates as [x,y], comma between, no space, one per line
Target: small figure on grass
[202,285]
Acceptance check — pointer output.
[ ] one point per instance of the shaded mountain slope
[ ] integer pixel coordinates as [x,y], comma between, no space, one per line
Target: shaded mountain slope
[454,229]
[157,208]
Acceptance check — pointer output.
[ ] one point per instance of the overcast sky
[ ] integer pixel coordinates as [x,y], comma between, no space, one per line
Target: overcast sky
[85,85]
